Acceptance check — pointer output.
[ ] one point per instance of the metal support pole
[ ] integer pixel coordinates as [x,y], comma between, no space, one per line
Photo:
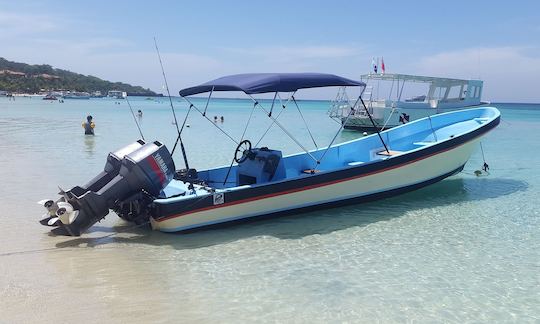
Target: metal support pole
[208,101]
[283,129]
[374,126]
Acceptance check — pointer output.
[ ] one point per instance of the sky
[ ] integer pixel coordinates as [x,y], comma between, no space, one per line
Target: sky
[496,41]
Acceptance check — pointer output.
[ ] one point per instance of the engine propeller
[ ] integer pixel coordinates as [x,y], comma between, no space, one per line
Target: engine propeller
[51,207]
[65,213]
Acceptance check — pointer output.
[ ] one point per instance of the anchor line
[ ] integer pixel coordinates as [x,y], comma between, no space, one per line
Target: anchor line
[71,249]
[485,166]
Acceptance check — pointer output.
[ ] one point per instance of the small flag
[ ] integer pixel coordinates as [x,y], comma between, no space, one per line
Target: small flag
[374,65]
[382,65]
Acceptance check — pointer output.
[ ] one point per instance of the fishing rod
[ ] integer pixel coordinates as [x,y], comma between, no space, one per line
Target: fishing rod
[172,109]
[134,118]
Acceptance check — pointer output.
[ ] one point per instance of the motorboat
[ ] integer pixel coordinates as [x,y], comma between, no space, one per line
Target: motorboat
[77,95]
[50,97]
[389,107]
[116,94]
[142,185]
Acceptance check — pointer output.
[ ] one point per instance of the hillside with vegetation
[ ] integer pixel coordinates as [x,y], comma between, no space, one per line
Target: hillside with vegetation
[26,78]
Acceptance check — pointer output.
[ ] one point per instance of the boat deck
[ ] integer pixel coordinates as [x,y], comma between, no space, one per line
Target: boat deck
[404,139]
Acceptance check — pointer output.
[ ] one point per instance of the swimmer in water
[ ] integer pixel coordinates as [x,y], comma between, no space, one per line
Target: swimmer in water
[88,126]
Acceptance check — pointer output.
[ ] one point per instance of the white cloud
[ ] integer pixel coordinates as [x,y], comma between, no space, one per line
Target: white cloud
[293,53]
[509,73]
[20,24]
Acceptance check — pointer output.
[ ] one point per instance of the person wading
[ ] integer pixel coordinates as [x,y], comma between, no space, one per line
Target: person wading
[88,126]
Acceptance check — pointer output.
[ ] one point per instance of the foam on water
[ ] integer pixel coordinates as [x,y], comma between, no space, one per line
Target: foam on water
[463,250]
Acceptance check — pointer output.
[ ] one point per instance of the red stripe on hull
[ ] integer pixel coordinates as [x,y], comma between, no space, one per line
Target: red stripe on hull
[308,187]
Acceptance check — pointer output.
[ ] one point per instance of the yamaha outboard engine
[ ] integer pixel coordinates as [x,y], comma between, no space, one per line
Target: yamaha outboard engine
[112,167]
[146,167]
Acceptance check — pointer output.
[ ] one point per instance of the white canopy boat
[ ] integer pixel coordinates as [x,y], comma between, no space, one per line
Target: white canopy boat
[391,109]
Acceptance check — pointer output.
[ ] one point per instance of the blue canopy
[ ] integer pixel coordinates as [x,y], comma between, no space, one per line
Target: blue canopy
[252,83]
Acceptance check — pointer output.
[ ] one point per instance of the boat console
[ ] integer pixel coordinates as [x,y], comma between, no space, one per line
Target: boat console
[260,165]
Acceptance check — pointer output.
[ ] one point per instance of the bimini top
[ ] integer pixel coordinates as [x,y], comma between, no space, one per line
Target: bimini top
[413,78]
[252,83]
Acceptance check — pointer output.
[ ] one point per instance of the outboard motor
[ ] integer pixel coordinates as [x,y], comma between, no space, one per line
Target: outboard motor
[111,169]
[148,168]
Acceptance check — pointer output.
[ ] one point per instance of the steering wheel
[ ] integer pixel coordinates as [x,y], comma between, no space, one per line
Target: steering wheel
[243,147]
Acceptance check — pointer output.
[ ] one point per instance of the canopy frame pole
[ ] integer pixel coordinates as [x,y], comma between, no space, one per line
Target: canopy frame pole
[241,139]
[283,106]
[401,91]
[283,128]
[374,126]
[305,123]
[224,132]
[208,101]
[351,111]
[273,101]
[391,88]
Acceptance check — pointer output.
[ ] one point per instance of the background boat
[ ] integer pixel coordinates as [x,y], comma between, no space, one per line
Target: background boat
[76,95]
[390,107]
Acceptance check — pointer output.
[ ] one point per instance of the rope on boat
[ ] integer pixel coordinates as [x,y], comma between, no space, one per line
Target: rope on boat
[485,167]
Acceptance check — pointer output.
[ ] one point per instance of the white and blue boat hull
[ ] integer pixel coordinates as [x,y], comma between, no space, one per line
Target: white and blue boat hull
[451,144]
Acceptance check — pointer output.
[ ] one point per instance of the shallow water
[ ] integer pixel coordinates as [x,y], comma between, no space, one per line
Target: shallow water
[466,249]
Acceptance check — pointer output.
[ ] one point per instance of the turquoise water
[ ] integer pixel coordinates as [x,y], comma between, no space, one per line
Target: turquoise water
[464,250]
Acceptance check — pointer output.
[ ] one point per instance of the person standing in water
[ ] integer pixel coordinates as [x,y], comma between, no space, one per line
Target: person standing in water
[88,126]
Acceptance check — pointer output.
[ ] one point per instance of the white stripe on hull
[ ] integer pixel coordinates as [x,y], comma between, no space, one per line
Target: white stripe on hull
[406,175]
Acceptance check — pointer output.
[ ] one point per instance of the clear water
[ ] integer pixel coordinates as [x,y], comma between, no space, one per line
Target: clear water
[464,250]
